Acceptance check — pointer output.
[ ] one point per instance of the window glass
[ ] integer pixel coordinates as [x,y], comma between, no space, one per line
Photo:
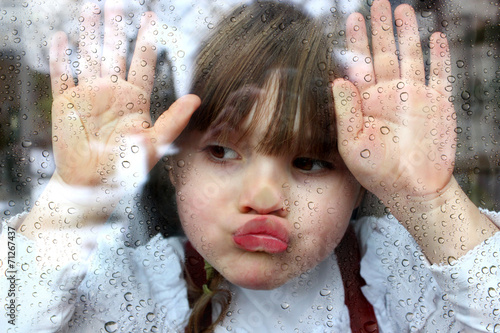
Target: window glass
[27,163]
[27,27]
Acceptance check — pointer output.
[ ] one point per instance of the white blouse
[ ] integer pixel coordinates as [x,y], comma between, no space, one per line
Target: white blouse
[115,288]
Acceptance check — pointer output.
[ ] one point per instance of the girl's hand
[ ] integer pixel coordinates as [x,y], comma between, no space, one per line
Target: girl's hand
[103,140]
[102,130]
[396,132]
[397,135]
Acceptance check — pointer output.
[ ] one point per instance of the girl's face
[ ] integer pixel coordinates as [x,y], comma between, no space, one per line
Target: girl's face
[259,219]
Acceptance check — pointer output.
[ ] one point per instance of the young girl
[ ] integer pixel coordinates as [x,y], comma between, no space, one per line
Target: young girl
[266,173]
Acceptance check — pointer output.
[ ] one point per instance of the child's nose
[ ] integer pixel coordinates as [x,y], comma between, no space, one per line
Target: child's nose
[262,189]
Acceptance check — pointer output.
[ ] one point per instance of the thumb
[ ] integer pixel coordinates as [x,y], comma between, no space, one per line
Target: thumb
[171,123]
[348,112]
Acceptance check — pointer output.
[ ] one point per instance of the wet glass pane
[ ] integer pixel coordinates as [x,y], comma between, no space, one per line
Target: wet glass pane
[130,274]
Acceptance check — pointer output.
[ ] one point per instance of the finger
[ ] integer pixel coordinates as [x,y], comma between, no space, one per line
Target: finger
[115,42]
[142,68]
[384,46]
[171,123]
[412,60]
[349,116]
[360,70]
[440,64]
[90,64]
[60,72]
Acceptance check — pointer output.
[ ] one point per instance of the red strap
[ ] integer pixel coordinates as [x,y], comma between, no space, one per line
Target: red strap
[360,310]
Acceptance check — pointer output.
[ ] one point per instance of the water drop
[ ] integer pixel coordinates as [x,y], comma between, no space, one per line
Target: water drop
[285,306]
[404,96]
[128,296]
[111,327]
[325,292]
[150,316]
[451,260]
[26,143]
[126,164]
[385,130]
[365,153]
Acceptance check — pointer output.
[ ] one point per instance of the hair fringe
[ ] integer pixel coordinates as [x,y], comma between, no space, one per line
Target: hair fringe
[262,42]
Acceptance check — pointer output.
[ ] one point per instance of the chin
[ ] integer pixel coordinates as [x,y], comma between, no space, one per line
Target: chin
[258,284]
[258,279]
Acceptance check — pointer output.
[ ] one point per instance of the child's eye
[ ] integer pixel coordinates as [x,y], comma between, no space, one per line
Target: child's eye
[311,165]
[221,153]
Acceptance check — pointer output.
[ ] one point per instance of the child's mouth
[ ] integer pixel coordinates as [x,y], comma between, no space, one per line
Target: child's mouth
[264,234]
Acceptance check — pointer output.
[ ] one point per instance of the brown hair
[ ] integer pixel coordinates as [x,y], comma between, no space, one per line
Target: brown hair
[252,46]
